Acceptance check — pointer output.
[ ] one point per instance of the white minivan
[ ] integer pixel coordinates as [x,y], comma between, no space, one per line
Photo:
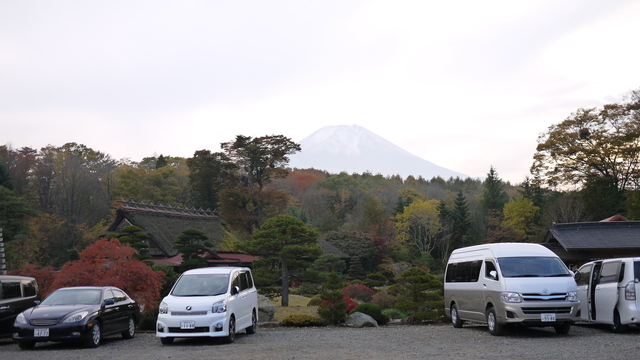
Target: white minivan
[510,283]
[607,292]
[209,302]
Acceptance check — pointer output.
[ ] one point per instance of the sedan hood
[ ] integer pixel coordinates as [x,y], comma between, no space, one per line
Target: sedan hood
[57,311]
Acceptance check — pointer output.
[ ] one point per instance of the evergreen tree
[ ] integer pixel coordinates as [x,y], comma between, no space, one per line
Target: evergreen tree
[5,178]
[193,246]
[137,240]
[161,162]
[460,221]
[333,307]
[494,197]
[356,272]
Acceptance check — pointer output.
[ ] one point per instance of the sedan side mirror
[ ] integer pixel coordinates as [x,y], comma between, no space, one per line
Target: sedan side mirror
[109,302]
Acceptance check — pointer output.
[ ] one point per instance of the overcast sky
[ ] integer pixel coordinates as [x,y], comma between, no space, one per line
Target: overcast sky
[463,84]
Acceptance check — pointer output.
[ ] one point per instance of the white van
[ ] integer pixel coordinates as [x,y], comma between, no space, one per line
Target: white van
[209,302]
[607,292]
[510,283]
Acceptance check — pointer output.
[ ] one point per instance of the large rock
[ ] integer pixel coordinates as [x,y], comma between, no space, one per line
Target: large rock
[266,309]
[359,320]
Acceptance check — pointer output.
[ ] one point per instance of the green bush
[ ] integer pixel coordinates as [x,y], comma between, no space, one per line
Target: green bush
[395,313]
[301,320]
[148,320]
[383,300]
[372,310]
[315,301]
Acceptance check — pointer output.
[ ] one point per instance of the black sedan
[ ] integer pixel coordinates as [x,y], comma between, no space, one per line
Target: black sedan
[85,313]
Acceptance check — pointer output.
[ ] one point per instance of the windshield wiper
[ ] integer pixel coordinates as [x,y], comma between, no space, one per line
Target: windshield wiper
[556,275]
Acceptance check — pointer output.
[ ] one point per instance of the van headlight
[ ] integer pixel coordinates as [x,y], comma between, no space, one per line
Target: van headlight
[164,308]
[510,297]
[572,296]
[219,307]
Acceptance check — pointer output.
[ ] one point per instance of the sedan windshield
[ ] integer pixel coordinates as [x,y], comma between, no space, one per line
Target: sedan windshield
[532,267]
[72,297]
[201,285]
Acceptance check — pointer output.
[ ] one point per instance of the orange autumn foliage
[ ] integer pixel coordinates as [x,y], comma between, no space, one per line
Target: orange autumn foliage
[44,277]
[109,263]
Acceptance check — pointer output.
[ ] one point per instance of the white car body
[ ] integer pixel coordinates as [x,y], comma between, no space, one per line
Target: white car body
[209,302]
[607,290]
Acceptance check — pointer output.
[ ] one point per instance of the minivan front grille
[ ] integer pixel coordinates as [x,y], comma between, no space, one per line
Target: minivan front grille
[182,313]
[546,310]
[200,329]
[547,297]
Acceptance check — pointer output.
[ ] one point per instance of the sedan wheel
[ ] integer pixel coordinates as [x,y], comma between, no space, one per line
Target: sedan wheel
[96,336]
[131,331]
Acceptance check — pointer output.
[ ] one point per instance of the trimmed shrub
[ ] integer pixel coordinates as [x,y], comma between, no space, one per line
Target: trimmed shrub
[358,292]
[301,320]
[314,301]
[383,300]
[394,313]
[373,311]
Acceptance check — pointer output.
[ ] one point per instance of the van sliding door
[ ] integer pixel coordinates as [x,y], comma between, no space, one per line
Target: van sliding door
[606,291]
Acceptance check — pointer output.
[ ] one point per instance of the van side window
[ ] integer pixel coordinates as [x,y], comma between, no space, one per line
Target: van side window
[29,288]
[249,280]
[244,284]
[636,271]
[236,281]
[488,268]
[584,271]
[609,272]
[11,290]
[467,271]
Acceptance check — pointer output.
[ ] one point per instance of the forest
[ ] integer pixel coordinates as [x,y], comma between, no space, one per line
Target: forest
[55,201]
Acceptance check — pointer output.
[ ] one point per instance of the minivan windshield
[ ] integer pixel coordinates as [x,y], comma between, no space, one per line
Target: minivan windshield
[201,285]
[532,267]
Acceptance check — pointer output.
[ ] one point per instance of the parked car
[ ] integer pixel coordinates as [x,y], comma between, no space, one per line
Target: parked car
[510,283]
[607,292]
[83,313]
[209,302]
[17,293]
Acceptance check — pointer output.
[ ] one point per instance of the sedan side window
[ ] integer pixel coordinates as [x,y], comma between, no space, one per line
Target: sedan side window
[109,295]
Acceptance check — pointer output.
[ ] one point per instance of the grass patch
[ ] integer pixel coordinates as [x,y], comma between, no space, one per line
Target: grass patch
[297,305]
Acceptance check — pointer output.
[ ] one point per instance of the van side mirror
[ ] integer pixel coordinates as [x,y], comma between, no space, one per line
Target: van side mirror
[493,274]
[577,276]
[37,302]
[235,290]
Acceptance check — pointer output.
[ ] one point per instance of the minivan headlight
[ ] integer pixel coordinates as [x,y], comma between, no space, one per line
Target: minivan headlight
[76,317]
[510,297]
[572,296]
[219,307]
[164,308]
[20,319]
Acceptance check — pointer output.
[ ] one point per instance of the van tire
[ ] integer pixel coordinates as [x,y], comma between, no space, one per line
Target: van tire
[495,329]
[563,329]
[455,317]
[254,324]
[232,331]
[617,327]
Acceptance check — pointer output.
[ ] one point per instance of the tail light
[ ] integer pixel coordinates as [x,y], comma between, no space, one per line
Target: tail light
[630,291]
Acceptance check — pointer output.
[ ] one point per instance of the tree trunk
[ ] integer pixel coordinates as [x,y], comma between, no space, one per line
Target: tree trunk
[285,283]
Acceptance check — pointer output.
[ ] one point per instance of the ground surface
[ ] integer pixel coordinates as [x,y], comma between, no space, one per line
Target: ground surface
[387,342]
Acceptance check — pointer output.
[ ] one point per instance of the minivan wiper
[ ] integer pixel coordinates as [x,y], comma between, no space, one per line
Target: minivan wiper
[556,275]
[527,275]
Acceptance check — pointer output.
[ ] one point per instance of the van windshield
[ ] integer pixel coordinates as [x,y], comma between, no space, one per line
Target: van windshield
[532,267]
[201,285]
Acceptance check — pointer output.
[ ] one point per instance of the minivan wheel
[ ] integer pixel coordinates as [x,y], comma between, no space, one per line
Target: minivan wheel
[232,331]
[254,324]
[563,329]
[492,322]
[617,327]
[455,318]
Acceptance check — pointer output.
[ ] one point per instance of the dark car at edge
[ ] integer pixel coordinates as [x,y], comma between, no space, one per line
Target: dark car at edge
[74,314]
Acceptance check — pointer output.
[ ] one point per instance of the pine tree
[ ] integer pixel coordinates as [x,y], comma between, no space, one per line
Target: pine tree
[355,268]
[5,178]
[137,240]
[460,221]
[161,162]
[494,197]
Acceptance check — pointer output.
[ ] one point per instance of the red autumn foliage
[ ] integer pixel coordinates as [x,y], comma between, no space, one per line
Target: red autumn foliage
[358,291]
[350,304]
[44,277]
[110,263]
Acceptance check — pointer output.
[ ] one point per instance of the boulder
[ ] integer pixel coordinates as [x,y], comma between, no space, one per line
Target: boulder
[358,320]
[266,309]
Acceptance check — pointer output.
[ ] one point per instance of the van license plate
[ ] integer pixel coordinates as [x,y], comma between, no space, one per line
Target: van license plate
[41,332]
[187,324]
[548,317]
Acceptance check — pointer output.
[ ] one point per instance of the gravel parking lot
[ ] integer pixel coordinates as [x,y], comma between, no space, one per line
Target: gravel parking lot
[440,341]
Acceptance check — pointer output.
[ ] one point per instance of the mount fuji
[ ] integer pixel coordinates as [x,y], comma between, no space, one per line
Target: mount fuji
[354,149]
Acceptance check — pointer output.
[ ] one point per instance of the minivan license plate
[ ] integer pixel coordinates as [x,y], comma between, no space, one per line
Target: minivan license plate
[41,332]
[187,324]
[548,317]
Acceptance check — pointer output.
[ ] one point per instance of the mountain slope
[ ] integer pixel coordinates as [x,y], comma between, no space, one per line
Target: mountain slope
[354,149]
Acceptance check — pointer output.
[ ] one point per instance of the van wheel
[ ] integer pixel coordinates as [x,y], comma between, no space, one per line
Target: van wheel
[563,329]
[254,324]
[232,331]
[492,322]
[617,327]
[455,318]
